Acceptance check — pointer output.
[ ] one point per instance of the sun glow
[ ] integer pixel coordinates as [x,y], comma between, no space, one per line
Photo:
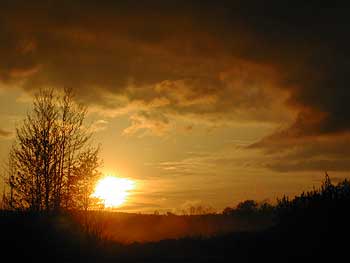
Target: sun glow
[113,191]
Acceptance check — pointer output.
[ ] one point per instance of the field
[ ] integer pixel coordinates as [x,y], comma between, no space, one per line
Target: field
[127,228]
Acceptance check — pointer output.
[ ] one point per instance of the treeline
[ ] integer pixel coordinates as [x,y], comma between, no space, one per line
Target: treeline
[329,200]
[249,207]
[324,200]
[328,194]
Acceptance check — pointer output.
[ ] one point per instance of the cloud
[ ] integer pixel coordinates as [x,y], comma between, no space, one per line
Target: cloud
[143,121]
[5,134]
[99,125]
[219,64]
[311,153]
[151,60]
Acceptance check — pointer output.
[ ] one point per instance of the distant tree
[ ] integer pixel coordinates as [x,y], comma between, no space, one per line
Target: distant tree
[156,213]
[266,208]
[247,206]
[168,213]
[198,210]
[228,211]
[52,158]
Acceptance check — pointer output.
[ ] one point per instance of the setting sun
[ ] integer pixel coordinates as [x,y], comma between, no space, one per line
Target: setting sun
[113,190]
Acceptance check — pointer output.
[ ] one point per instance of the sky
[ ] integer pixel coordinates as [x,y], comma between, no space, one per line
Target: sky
[199,102]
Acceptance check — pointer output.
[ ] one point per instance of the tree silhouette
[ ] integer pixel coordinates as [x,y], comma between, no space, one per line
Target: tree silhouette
[52,161]
[318,204]
[247,206]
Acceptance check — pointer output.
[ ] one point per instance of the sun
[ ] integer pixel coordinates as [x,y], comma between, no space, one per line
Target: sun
[113,191]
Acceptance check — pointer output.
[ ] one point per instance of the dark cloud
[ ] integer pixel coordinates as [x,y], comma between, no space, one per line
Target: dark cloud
[216,61]
[127,48]
[308,153]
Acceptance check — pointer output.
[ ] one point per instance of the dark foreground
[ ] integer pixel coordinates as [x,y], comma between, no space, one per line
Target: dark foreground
[38,238]
[313,227]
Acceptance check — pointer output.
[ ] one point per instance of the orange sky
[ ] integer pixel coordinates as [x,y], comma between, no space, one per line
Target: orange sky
[200,102]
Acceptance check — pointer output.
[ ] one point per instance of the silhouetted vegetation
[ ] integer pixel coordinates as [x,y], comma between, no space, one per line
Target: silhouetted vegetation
[250,207]
[311,227]
[319,202]
[52,164]
[198,210]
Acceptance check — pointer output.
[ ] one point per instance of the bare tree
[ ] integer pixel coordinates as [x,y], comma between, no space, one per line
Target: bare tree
[8,176]
[84,177]
[52,155]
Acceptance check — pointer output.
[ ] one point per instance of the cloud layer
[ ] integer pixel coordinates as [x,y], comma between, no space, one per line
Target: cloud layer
[5,133]
[281,62]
